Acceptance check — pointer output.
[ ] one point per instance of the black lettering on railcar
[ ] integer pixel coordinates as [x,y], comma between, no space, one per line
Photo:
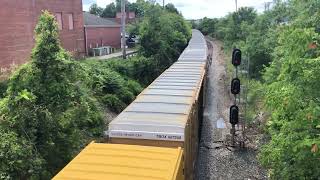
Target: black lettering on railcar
[160,136]
[119,134]
[174,137]
[116,134]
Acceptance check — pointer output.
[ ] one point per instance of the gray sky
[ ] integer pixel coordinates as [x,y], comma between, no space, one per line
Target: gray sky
[195,9]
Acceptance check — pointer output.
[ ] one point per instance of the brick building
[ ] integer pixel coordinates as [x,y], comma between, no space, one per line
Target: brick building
[101,32]
[18,19]
[130,17]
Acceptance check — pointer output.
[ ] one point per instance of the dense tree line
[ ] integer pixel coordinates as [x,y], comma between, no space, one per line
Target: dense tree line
[52,106]
[283,47]
[139,8]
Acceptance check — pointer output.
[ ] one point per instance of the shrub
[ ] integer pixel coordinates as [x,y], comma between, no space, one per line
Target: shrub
[113,103]
[47,112]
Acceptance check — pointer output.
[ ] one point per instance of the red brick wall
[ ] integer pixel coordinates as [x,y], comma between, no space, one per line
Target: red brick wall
[103,36]
[16,31]
[18,19]
[72,40]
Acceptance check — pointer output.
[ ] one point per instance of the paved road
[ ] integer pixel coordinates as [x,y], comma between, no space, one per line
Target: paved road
[113,55]
[215,161]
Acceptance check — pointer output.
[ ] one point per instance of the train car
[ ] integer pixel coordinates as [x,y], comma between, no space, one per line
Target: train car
[121,162]
[167,114]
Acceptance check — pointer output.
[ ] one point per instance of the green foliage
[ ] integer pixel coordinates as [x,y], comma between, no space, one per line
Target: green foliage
[110,11]
[110,82]
[293,99]
[47,114]
[283,47]
[51,106]
[207,26]
[3,88]
[163,36]
[171,8]
[255,102]
[96,10]
[113,103]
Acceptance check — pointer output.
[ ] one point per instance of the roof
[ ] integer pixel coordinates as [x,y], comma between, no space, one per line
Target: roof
[91,20]
[117,161]
[162,110]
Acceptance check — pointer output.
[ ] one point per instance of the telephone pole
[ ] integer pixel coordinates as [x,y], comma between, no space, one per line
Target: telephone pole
[236,5]
[123,27]
[163,3]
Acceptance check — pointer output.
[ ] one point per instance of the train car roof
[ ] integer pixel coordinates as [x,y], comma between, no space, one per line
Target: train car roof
[117,161]
[162,110]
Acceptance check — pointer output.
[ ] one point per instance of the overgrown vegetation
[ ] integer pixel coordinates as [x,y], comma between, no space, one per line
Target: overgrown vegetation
[47,115]
[163,35]
[283,47]
[53,106]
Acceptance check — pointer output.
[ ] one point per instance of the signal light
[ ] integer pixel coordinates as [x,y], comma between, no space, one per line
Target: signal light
[236,57]
[235,86]
[234,115]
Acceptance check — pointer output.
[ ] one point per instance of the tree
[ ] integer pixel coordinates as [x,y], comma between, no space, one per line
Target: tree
[163,36]
[292,97]
[207,26]
[95,9]
[110,11]
[47,114]
[171,8]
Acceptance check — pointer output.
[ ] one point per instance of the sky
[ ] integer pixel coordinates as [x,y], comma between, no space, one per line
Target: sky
[196,9]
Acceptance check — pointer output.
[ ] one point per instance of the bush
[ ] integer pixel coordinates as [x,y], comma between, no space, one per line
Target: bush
[134,86]
[113,89]
[47,113]
[3,88]
[113,103]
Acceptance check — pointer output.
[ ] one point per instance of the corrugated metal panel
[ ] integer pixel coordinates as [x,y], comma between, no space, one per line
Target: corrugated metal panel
[161,111]
[164,99]
[158,108]
[123,162]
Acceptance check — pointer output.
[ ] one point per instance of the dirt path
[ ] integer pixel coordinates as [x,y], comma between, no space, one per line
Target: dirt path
[215,161]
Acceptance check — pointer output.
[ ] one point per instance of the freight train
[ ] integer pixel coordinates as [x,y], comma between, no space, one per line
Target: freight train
[157,135]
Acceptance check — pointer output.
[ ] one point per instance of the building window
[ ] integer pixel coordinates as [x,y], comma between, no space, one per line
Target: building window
[70,19]
[59,20]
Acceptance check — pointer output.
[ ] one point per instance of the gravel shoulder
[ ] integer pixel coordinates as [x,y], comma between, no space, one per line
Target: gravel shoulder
[215,159]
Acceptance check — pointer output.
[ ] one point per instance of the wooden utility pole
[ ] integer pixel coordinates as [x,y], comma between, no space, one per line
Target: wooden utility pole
[163,4]
[123,27]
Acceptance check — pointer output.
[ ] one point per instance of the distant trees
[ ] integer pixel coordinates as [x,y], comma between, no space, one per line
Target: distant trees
[207,26]
[95,9]
[110,11]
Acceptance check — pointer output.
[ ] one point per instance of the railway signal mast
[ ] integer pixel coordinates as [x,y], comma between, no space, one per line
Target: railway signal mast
[235,90]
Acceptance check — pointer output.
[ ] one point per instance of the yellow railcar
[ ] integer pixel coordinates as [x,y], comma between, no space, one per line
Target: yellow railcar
[100,161]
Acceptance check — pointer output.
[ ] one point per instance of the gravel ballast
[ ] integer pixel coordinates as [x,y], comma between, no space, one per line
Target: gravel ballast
[216,160]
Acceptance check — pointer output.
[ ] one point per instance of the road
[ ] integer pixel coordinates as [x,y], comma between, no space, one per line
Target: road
[113,55]
[215,160]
